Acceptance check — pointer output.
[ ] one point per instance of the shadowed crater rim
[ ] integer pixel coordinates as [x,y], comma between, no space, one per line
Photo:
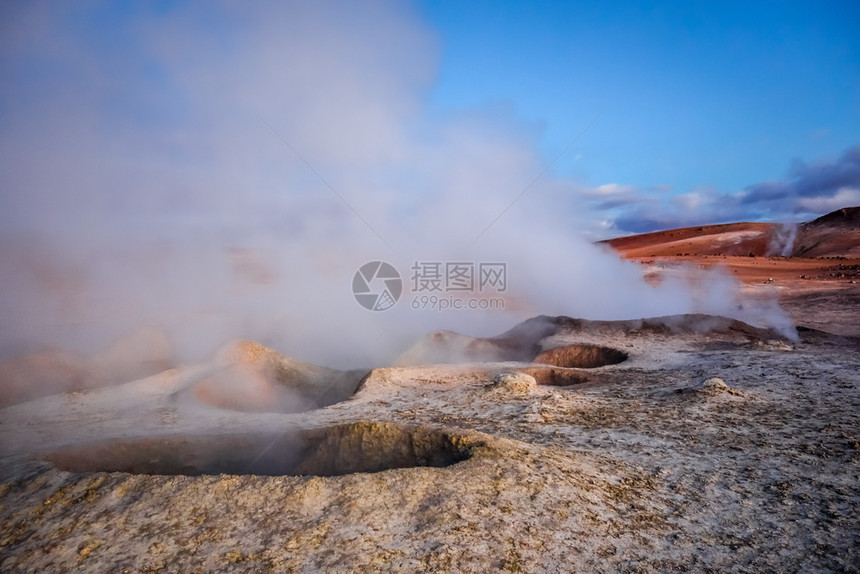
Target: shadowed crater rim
[328,451]
[581,356]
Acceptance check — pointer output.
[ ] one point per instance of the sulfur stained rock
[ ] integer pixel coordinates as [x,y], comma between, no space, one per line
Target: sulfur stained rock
[518,383]
[716,385]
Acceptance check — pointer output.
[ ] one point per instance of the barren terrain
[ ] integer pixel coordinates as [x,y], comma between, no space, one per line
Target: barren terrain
[813,267]
[684,443]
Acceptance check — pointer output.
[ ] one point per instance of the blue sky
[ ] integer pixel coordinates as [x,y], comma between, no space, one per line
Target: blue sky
[699,106]
[693,97]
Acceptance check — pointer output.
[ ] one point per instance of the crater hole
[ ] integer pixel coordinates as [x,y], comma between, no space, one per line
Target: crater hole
[555,377]
[581,356]
[330,451]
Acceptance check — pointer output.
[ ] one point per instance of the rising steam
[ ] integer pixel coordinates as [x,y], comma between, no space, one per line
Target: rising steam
[219,173]
[782,241]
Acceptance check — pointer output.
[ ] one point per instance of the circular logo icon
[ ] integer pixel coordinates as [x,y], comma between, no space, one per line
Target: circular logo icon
[377,286]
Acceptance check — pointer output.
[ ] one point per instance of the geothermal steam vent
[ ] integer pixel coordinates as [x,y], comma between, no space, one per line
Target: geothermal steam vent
[565,364]
[581,356]
[330,451]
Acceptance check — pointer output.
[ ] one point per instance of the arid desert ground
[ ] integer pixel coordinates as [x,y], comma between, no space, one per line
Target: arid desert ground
[682,443]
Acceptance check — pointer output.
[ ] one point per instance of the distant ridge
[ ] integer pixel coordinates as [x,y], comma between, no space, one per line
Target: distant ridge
[846,217]
[836,234]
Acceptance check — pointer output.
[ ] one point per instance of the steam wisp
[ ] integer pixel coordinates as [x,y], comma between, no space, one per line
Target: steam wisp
[223,176]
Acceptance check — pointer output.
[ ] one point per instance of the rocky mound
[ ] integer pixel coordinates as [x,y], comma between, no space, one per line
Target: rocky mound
[521,343]
[528,342]
[251,377]
[686,324]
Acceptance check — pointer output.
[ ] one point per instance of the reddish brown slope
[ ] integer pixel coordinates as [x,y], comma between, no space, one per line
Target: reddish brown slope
[727,239]
[836,234]
[818,284]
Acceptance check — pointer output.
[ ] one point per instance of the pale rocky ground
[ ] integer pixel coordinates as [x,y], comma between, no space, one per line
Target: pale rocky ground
[643,468]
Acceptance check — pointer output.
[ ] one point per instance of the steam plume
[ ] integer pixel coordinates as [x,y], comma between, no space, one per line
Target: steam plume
[221,172]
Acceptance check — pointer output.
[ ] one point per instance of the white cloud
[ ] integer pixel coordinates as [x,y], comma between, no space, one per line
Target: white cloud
[692,201]
[844,197]
[809,190]
[608,189]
